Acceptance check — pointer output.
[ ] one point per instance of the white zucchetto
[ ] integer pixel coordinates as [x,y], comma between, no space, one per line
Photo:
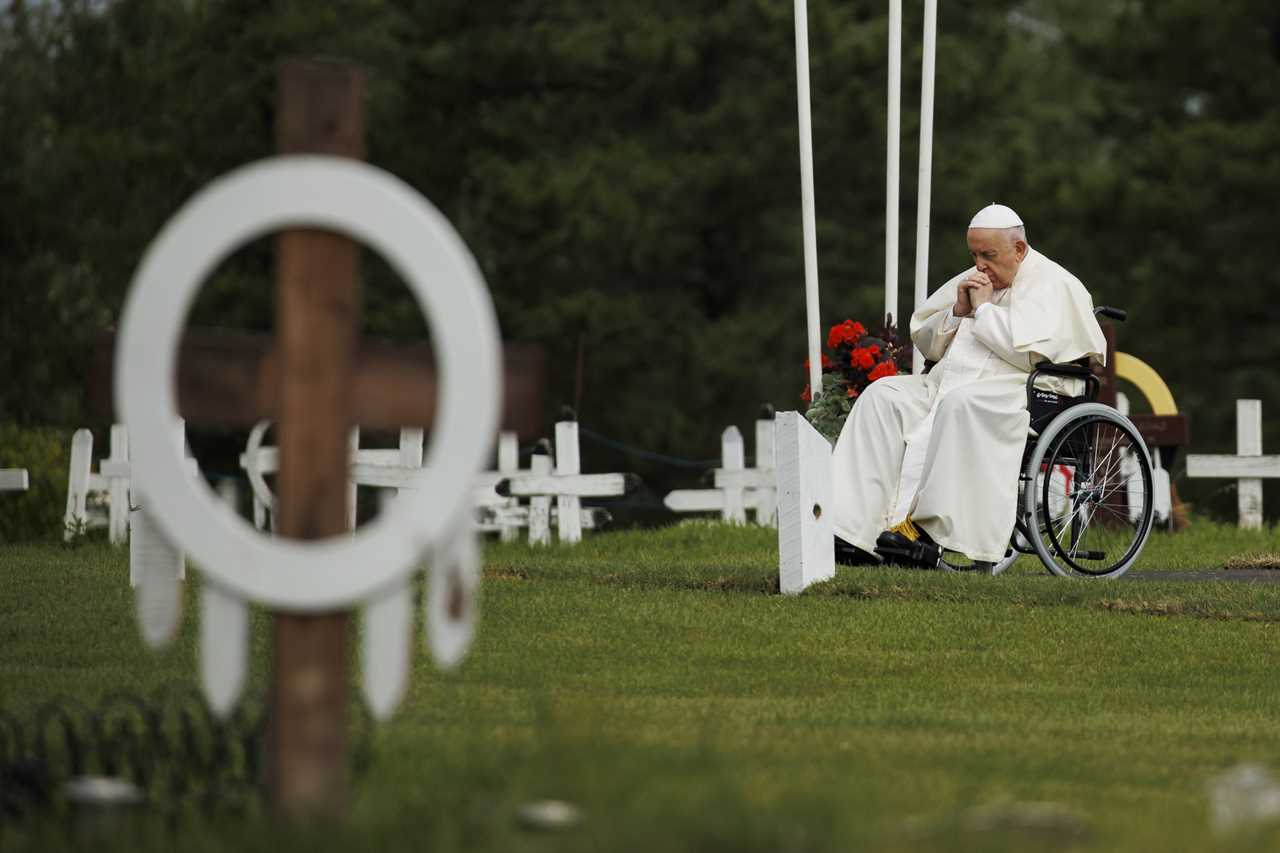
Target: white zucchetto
[996,216]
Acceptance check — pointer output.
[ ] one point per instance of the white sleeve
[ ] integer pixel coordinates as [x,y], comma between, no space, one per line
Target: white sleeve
[934,336]
[992,327]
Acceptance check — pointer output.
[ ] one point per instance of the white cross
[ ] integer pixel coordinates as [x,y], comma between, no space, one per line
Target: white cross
[114,470]
[1248,465]
[562,479]
[394,469]
[79,484]
[737,488]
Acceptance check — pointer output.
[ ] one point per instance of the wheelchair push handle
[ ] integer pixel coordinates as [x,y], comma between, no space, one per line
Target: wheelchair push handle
[1111,313]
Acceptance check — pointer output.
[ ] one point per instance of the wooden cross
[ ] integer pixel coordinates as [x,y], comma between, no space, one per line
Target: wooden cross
[317,379]
[1248,465]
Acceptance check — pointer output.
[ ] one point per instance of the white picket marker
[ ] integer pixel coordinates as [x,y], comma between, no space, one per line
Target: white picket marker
[765,496]
[224,646]
[154,567]
[118,485]
[806,544]
[540,504]
[453,586]
[1162,492]
[14,480]
[148,547]
[76,516]
[509,464]
[1161,487]
[734,459]
[568,464]
[385,645]
[1248,466]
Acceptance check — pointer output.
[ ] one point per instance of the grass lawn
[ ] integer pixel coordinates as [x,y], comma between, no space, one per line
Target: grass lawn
[655,679]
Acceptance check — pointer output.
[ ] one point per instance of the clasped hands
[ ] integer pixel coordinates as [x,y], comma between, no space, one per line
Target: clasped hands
[975,290]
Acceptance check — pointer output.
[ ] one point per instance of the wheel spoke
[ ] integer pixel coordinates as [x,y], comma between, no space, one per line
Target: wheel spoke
[1085,516]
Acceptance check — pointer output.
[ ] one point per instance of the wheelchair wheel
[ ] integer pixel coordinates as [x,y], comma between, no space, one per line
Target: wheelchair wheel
[1088,496]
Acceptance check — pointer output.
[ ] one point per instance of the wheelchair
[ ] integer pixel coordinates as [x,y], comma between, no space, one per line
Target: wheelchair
[1085,493]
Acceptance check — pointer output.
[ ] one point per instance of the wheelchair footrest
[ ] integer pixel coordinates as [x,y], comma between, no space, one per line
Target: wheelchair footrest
[899,550]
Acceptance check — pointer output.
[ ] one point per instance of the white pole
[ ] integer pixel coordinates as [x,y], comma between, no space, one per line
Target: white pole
[893,167]
[926,159]
[806,198]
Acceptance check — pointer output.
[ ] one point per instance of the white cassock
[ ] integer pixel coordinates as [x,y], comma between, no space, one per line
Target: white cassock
[945,447]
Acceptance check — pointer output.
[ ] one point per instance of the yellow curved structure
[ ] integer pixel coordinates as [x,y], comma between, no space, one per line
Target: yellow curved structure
[1145,378]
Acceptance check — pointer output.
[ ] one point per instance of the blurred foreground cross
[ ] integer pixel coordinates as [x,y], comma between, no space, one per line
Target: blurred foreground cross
[317,379]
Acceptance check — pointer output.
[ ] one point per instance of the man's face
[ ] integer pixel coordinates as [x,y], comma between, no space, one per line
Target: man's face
[998,253]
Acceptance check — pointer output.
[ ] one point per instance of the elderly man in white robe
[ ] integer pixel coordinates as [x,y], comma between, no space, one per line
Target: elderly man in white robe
[935,457]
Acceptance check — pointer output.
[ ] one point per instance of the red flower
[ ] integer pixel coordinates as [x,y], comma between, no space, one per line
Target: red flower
[853,392]
[884,368]
[864,357]
[806,395]
[847,332]
[826,362]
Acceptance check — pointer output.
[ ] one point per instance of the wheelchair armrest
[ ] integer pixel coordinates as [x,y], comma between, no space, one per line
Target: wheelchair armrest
[1078,369]
[1073,368]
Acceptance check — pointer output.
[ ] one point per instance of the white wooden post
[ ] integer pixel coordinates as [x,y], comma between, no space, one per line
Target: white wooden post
[568,464]
[1249,443]
[806,543]
[807,215]
[765,495]
[540,505]
[118,519]
[1248,466]
[155,564]
[76,519]
[732,460]
[509,464]
[925,184]
[153,545]
[14,480]
[224,644]
[892,170]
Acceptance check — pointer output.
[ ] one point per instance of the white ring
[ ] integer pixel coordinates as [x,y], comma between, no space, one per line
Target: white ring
[372,207]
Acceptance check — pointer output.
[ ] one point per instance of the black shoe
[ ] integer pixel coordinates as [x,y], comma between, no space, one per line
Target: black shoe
[898,550]
[852,555]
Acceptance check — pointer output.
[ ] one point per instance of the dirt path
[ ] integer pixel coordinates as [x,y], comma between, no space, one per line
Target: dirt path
[1215,575]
